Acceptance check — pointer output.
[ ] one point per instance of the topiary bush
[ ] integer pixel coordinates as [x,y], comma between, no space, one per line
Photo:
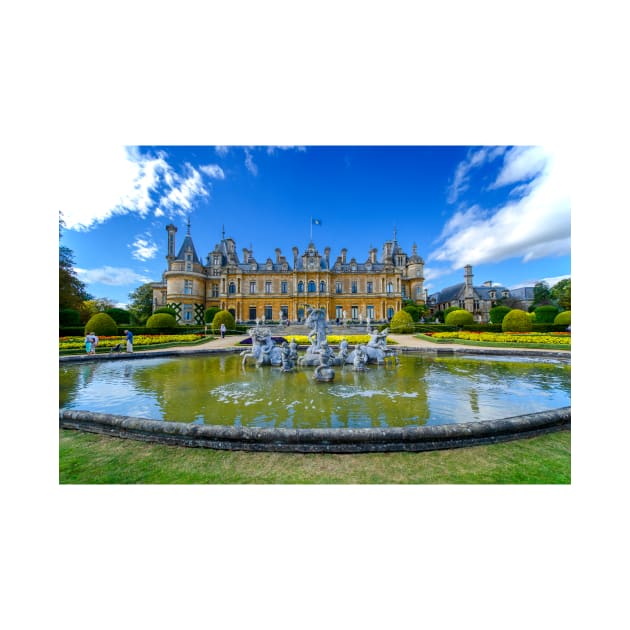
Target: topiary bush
[498,313]
[401,323]
[517,321]
[563,318]
[459,317]
[166,309]
[450,309]
[208,316]
[102,325]
[413,311]
[223,317]
[546,314]
[161,320]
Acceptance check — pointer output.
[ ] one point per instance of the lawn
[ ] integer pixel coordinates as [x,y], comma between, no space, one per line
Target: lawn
[86,458]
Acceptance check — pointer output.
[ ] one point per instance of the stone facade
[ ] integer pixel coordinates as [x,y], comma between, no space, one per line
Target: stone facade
[479,299]
[276,289]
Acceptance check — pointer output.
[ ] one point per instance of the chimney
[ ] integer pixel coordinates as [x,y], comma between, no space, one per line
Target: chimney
[327,254]
[373,252]
[295,256]
[344,251]
[278,252]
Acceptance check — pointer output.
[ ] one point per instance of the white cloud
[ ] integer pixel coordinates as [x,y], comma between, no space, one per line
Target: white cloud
[537,224]
[143,248]
[249,163]
[114,276]
[213,170]
[474,159]
[90,185]
[222,151]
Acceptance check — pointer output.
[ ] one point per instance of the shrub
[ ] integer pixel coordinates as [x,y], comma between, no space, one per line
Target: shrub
[208,316]
[450,309]
[402,323]
[459,317]
[546,314]
[162,320]
[223,317]
[498,313]
[517,321]
[166,309]
[563,318]
[532,317]
[413,311]
[69,317]
[119,315]
[101,325]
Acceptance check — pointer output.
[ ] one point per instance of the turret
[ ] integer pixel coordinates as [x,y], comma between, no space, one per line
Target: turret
[170,229]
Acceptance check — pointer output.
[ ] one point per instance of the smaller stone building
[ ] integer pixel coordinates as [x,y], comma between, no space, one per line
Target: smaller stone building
[478,299]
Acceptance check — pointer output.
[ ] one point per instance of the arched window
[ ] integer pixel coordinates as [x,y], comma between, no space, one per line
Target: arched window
[300,287]
[232,288]
[311,286]
[322,287]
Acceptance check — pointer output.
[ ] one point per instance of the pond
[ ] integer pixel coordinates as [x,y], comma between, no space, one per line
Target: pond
[216,390]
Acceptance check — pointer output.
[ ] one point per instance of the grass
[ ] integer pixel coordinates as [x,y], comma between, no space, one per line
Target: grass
[86,458]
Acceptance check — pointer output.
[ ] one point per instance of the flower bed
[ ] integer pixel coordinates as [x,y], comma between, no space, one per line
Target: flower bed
[78,343]
[333,340]
[561,338]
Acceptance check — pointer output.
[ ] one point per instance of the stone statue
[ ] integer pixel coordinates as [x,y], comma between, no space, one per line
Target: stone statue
[316,319]
[376,348]
[264,351]
[287,360]
[359,359]
[324,372]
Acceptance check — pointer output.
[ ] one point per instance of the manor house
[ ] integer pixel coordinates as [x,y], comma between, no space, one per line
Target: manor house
[283,289]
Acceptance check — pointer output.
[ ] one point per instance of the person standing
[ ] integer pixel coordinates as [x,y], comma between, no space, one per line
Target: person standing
[88,343]
[129,336]
[94,343]
[223,330]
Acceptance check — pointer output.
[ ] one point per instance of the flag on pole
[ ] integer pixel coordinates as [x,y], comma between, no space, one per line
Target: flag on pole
[317,221]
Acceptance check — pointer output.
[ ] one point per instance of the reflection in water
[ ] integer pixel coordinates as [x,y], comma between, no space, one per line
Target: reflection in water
[216,390]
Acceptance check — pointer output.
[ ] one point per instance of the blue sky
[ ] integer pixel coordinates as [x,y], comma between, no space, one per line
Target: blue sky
[503,209]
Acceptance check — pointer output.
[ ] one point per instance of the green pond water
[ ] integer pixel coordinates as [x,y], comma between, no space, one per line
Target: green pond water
[422,390]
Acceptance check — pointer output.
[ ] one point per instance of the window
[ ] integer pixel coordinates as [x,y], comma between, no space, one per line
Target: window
[283,286]
[268,313]
[252,313]
[284,312]
[216,260]
[322,287]
[403,292]
[370,311]
[188,287]
[390,312]
[369,287]
[252,286]
[268,287]
[188,262]
[390,287]
[355,312]
[338,312]
[300,287]
[232,288]
[338,287]
[354,287]
[215,290]
[187,312]
[311,286]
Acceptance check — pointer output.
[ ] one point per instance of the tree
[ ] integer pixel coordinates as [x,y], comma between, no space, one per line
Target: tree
[141,305]
[542,294]
[561,293]
[72,292]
